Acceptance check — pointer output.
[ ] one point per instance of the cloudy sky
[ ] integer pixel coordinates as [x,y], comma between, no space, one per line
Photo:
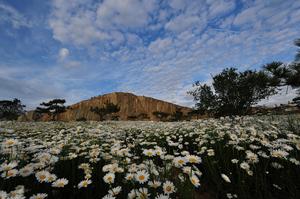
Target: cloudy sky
[82,48]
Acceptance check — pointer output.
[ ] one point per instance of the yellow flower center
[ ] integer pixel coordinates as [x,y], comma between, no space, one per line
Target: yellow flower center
[169,189]
[180,161]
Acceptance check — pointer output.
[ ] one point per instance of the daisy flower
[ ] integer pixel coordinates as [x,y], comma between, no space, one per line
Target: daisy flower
[195,180]
[42,176]
[168,187]
[143,193]
[60,183]
[108,196]
[10,142]
[109,178]
[84,183]
[179,162]
[115,191]
[225,177]
[11,173]
[193,159]
[149,152]
[39,196]
[142,176]
[154,184]
[161,196]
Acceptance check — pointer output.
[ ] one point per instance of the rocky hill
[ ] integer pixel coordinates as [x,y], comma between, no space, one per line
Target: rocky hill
[132,107]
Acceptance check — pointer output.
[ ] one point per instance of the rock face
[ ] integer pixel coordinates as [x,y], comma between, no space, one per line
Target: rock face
[132,107]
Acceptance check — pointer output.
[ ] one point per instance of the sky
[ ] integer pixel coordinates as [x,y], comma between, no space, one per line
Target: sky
[83,48]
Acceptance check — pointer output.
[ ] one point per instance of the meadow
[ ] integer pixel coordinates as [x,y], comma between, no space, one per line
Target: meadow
[241,157]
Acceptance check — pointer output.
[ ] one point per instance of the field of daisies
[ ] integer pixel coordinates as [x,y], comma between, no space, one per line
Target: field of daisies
[241,157]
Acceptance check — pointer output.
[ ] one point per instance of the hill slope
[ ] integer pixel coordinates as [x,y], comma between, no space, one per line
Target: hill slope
[132,107]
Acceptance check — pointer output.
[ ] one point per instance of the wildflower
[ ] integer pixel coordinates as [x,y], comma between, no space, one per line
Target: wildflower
[251,157]
[115,191]
[10,173]
[245,166]
[195,180]
[142,176]
[193,159]
[108,196]
[187,170]
[10,142]
[9,166]
[161,196]
[179,162]
[39,196]
[129,176]
[225,177]
[279,154]
[26,171]
[84,183]
[210,152]
[154,184]
[132,194]
[60,183]
[143,193]
[234,161]
[149,152]
[52,177]
[42,176]
[168,187]
[109,178]
[3,195]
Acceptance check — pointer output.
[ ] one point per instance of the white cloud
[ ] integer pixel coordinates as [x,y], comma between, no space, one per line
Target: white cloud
[160,51]
[283,97]
[183,22]
[11,15]
[123,13]
[63,53]
[160,45]
[178,4]
[221,7]
[81,24]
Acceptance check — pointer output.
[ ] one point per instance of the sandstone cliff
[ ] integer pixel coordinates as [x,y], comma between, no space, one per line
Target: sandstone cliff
[132,107]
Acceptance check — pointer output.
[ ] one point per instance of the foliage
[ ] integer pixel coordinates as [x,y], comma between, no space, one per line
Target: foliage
[11,109]
[286,74]
[107,109]
[232,92]
[52,108]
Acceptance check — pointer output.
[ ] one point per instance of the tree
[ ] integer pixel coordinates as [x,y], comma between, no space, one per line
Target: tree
[11,109]
[232,92]
[286,74]
[204,97]
[52,108]
[107,109]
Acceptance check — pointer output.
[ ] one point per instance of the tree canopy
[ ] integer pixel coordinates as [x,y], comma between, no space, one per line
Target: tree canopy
[52,108]
[232,92]
[286,74]
[11,109]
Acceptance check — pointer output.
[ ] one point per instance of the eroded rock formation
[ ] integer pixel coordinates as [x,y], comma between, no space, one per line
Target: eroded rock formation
[132,107]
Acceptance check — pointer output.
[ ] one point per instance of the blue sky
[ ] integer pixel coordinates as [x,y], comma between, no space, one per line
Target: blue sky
[82,48]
